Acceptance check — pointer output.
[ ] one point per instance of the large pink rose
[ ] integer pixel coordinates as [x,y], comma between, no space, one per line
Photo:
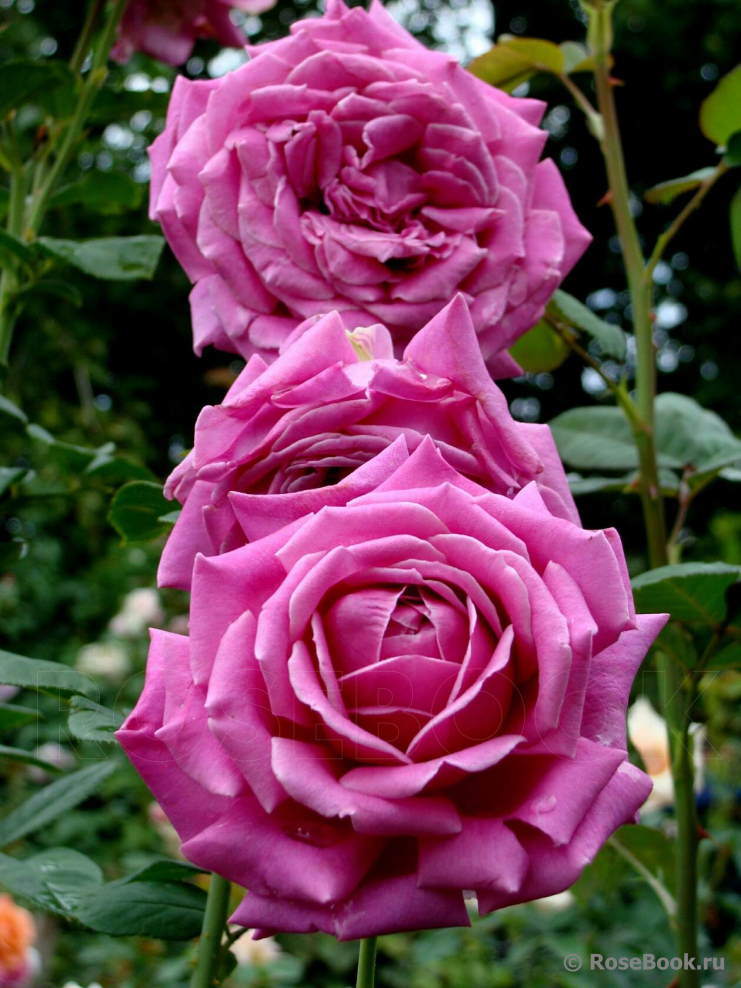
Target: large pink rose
[385,704]
[167,29]
[347,167]
[306,431]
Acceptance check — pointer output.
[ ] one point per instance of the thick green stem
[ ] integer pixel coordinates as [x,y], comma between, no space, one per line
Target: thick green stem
[638,285]
[214,924]
[639,277]
[367,963]
[675,703]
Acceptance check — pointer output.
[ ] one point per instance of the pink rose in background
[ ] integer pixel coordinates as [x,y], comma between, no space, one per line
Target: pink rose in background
[167,29]
[384,704]
[347,167]
[305,432]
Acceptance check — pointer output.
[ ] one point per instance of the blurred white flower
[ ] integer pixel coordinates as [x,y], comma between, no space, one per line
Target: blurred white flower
[73,984]
[555,903]
[53,753]
[7,693]
[650,736]
[141,609]
[255,953]
[179,625]
[107,659]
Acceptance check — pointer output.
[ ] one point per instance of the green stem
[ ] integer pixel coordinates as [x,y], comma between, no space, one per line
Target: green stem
[214,923]
[367,963]
[9,279]
[93,84]
[675,705]
[638,286]
[85,41]
[663,241]
[671,683]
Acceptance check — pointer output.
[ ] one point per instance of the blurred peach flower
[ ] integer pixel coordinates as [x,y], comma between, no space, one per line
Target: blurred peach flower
[18,960]
[649,735]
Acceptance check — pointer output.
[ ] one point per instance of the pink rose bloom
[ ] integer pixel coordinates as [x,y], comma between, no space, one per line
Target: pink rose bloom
[167,29]
[386,704]
[347,167]
[305,431]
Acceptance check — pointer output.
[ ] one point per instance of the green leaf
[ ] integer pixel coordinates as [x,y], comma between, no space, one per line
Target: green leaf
[78,457]
[52,801]
[137,509]
[56,288]
[39,674]
[12,716]
[102,192]
[727,658]
[165,910]
[651,854]
[625,484]
[10,552]
[732,156]
[8,408]
[666,192]
[51,85]
[117,470]
[690,435]
[165,870]
[109,258]
[595,438]
[10,476]
[720,113]
[570,312]
[735,219]
[514,60]
[27,758]
[14,251]
[90,721]
[52,881]
[540,349]
[687,435]
[687,591]
[576,58]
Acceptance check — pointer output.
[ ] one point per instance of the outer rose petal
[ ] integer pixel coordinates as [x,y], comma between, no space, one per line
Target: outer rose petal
[394,903]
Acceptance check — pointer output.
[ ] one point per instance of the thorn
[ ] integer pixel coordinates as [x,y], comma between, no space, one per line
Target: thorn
[674,983]
[615,82]
[41,135]
[606,198]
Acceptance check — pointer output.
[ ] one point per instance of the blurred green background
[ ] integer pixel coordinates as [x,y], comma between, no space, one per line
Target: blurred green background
[120,368]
